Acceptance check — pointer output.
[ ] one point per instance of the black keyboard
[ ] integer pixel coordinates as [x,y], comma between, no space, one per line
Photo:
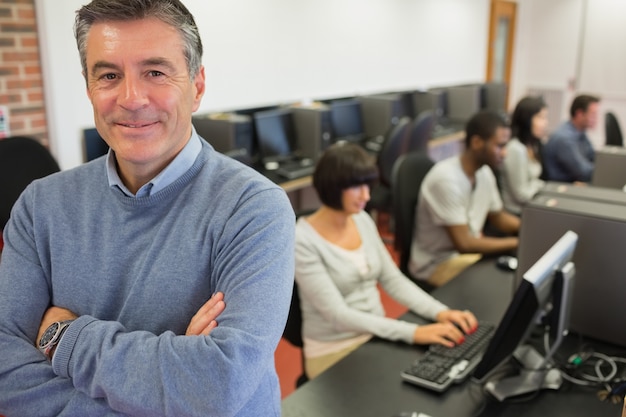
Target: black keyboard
[296,168]
[441,366]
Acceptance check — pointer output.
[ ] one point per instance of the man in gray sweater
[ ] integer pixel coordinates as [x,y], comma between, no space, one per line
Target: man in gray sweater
[120,270]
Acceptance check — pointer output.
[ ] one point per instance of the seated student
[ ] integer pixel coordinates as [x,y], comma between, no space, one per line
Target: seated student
[456,198]
[340,259]
[568,155]
[521,169]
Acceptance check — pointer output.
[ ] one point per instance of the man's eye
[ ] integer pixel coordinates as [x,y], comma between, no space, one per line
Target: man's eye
[155,73]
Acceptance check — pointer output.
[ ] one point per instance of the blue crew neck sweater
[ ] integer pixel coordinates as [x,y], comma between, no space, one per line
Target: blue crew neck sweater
[136,270]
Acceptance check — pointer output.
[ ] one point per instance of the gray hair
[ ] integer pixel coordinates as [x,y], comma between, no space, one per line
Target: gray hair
[171,12]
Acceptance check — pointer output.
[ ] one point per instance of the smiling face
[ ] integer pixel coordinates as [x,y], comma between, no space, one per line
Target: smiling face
[355,198]
[142,94]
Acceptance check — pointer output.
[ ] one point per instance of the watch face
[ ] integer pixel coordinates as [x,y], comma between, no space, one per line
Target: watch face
[48,334]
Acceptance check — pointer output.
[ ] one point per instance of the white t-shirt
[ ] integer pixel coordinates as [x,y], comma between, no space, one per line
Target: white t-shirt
[446,198]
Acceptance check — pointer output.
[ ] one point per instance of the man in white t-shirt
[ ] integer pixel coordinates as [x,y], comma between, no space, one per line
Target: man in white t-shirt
[456,198]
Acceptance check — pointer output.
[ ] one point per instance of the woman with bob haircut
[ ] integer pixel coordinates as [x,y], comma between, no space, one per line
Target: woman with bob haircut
[521,170]
[340,260]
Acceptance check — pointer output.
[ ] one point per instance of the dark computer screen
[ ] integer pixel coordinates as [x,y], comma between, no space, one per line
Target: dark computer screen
[276,134]
[346,120]
[94,145]
[544,290]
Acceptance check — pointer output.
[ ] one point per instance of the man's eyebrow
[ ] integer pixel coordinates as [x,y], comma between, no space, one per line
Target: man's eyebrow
[100,65]
[158,62]
[163,62]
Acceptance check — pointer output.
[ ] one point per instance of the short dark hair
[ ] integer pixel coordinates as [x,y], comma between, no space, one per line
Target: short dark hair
[582,102]
[483,124]
[521,121]
[341,166]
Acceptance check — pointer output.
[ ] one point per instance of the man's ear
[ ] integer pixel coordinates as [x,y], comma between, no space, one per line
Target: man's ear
[476,142]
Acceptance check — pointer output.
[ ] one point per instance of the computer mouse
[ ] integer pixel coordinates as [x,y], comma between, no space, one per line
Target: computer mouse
[271,166]
[507,262]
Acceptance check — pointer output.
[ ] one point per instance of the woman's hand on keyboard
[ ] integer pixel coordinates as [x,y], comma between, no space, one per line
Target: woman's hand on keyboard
[446,334]
[464,320]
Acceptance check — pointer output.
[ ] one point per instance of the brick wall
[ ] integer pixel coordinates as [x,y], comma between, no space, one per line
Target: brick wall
[21,82]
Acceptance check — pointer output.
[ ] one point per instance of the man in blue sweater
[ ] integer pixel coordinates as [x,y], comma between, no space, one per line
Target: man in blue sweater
[120,270]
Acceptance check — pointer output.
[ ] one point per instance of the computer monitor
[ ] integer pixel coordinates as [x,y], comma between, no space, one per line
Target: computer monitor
[382,112]
[346,120]
[228,133]
[93,144]
[610,168]
[276,135]
[463,102]
[544,295]
[494,95]
[599,258]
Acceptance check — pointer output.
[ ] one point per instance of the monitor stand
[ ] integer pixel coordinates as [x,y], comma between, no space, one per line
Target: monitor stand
[534,375]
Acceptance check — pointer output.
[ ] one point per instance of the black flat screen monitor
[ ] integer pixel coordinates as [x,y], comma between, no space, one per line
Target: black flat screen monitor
[347,120]
[276,134]
[544,293]
[94,145]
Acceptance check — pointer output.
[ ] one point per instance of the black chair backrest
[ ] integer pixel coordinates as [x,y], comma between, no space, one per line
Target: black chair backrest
[395,144]
[22,160]
[612,130]
[293,328]
[421,131]
[408,173]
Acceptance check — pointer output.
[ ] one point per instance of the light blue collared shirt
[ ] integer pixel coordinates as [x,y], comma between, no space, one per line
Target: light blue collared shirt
[181,163]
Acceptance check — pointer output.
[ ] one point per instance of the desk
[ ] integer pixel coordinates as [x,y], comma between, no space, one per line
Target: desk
[367,382]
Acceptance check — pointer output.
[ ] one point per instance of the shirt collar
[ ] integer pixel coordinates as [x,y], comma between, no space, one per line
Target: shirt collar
[181,163]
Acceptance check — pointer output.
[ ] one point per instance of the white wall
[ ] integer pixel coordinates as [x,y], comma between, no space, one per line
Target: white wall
[275,51]
[263,52]
[603,64]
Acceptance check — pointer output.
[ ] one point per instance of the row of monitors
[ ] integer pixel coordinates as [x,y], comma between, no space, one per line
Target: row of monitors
[281,132]
[277,131]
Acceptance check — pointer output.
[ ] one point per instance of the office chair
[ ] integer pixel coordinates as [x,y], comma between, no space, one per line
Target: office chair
[396,143]
[293,329]
[421,131]
[408,173]
[22,160]
[612,130]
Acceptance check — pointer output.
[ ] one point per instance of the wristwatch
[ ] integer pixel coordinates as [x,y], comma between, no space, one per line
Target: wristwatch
[51,337]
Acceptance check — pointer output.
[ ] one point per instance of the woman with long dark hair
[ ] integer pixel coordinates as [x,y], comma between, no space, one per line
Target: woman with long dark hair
[521,170]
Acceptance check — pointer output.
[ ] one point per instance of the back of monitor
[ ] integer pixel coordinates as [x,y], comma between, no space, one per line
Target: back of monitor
[598,300]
